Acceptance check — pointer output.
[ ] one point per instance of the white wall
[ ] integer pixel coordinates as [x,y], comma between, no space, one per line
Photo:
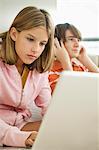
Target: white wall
[10,8]
[84,14]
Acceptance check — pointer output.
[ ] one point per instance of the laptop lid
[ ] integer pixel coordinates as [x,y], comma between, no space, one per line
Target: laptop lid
[71,121]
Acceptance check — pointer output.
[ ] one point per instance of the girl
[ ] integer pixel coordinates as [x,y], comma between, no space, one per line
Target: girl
[25,58]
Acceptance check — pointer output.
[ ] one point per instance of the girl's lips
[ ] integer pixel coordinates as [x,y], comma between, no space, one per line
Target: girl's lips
[31,56]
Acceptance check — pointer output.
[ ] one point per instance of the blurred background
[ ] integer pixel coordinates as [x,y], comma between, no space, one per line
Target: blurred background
[84,14]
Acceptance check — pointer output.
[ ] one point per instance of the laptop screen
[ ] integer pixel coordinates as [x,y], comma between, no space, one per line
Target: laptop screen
[71,122]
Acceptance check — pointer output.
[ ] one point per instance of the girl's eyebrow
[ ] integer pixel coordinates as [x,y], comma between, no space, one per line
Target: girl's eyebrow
[35,37]
[31,35]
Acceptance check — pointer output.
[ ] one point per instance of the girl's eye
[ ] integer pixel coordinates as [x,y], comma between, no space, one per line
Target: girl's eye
[42,44]
[30,39]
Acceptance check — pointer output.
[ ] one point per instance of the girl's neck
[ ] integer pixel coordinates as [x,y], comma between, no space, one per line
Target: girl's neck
[20,66]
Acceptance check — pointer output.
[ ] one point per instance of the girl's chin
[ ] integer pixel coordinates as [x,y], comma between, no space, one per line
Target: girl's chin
[28,62]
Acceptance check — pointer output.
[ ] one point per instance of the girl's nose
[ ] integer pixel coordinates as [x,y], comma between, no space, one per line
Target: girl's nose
[35,48]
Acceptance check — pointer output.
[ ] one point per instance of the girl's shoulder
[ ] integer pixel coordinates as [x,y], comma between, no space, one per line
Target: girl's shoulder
[4,65]
[41,76]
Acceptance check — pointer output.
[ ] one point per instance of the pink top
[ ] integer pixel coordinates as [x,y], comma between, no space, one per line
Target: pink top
[15,102]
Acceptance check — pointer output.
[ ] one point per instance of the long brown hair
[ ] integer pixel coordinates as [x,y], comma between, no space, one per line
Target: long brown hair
[29,17]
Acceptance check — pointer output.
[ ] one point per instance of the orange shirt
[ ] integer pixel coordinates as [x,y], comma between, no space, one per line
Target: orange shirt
[57,69]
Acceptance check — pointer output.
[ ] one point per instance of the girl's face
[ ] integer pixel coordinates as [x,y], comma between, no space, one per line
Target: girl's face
[72,44]
[29,44]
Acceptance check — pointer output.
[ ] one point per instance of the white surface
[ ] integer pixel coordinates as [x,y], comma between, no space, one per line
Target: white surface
[92,47]
[71,120]
[10,8]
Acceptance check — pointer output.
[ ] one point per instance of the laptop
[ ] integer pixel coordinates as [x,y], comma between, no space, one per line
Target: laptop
[71,121]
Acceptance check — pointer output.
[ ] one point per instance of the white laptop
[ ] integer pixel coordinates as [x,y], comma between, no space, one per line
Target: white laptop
[71,122]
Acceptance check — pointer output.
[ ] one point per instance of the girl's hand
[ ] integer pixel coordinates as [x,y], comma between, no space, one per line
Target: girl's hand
[30,140]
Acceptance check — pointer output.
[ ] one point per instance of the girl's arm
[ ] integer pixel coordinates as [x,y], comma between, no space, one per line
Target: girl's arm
[12,136]
[62,55]
[86,61]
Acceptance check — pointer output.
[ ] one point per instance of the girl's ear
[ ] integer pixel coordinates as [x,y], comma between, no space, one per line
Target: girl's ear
[13,33]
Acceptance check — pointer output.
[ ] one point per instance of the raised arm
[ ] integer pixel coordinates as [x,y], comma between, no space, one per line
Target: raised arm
[86,61]
[62,55]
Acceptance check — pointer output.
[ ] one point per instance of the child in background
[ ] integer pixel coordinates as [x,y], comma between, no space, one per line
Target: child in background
[69,53]
[25,58]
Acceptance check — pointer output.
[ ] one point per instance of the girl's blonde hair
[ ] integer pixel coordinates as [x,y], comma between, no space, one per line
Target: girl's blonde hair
[29,17]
